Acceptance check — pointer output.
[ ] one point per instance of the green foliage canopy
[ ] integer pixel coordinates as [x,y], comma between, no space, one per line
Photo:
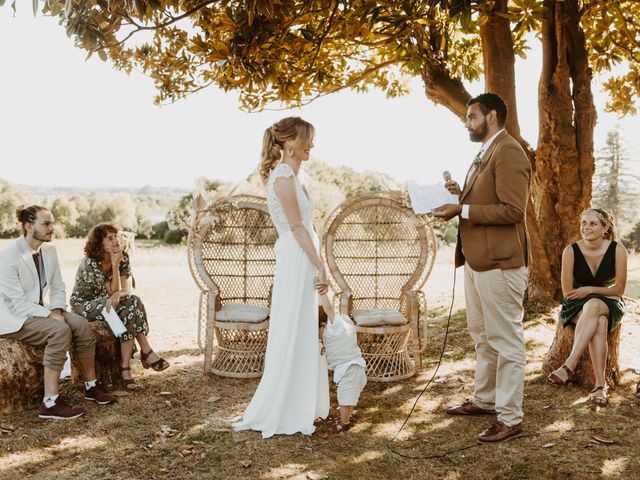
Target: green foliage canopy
[293,51]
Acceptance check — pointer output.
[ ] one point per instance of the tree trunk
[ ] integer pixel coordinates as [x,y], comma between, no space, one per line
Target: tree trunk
[107,356]
[499,64]
[561,180]
[21,375]
[563,164]
[583,374]
[500,78]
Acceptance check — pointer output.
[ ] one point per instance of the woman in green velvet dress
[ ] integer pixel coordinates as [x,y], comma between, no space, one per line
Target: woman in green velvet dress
[594,276]
[96,287]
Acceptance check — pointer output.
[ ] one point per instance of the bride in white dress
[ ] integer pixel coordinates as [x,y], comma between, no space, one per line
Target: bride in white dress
[294,389]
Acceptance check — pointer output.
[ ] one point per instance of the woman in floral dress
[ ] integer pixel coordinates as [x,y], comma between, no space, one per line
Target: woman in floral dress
[96,288]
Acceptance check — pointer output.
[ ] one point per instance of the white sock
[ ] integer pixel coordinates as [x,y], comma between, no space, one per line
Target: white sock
[88,385]
[50,401]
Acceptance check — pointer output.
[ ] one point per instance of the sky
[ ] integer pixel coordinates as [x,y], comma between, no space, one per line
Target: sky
[65,121]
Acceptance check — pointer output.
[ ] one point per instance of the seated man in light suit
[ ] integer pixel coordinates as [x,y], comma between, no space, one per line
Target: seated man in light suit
[28,271]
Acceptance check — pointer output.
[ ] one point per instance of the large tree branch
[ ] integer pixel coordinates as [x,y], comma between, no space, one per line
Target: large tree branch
[440,88]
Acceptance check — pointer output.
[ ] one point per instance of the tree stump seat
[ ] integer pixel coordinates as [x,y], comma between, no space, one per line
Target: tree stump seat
[21,375]
[107,356]
[22,372]
[583,374]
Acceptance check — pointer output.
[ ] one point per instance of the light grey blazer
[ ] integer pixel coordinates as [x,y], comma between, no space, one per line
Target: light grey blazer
[20,286]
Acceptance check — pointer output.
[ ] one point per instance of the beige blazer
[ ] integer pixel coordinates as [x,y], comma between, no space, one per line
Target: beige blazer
[20,286]
[494,235]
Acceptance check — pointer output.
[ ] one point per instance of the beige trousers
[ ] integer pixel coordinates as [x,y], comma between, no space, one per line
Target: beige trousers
[494,317]
[57,338]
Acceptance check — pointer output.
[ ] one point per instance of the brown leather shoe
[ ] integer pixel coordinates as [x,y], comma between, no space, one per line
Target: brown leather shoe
[61,410]
[469,408]
[499,432]
[99,394]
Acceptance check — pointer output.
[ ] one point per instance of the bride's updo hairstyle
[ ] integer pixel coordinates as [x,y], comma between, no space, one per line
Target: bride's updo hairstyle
[290,128]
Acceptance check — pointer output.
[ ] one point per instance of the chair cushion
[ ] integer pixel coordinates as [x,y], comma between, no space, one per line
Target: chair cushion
[241,312]
[379,317]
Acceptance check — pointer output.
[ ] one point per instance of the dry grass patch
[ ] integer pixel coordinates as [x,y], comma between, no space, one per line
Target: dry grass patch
[178,428]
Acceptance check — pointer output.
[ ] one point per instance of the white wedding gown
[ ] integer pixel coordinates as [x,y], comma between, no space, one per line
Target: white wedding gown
[294,389]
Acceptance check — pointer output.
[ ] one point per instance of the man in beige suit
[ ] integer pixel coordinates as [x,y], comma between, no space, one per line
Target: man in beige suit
[29,270]
[492,246]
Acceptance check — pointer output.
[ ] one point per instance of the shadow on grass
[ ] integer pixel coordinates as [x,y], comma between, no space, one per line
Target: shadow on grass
[111,441]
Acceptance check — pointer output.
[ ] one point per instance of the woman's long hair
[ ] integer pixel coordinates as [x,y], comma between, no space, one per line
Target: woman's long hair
[290,128]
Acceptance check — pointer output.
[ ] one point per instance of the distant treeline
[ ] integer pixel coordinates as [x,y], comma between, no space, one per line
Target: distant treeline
[144,211]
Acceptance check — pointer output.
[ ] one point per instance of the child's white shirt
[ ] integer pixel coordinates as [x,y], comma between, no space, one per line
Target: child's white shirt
[341,346]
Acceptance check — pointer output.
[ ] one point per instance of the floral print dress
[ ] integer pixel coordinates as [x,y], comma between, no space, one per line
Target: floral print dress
[90,296]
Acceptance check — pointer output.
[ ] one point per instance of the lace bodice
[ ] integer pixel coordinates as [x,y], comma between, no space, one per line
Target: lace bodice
[275,207]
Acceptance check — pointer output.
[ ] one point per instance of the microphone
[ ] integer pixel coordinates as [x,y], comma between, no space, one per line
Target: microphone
[446,175]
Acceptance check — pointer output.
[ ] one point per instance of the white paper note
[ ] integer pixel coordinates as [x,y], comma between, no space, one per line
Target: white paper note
[114,322]
[425,199]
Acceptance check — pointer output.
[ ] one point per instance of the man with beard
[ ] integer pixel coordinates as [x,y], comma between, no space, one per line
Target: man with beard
[492,246]
[29,270]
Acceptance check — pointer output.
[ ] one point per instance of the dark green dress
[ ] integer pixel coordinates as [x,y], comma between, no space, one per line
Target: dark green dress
[90,295]
[582,277]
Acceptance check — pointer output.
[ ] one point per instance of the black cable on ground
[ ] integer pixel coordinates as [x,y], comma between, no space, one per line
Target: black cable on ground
[435,372]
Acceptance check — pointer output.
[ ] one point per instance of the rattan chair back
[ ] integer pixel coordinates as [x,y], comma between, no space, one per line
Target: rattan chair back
[232,260]
[377,249]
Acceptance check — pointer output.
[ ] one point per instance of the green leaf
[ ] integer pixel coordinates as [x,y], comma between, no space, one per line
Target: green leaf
[67,7]
[34,3]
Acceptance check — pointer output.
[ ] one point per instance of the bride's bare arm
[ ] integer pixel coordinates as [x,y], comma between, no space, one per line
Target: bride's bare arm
[286,190]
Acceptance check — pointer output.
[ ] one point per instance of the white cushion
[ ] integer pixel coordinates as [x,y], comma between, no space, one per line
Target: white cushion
[379,317]
[241,312]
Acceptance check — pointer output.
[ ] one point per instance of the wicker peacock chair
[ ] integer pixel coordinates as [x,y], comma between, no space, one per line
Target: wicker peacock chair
[379,255]
[232,259]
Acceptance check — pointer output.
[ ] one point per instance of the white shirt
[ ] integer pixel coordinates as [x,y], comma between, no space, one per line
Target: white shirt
[483,149]
[340,341]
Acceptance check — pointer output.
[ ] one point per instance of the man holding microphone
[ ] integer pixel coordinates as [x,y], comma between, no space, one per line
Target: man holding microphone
[492,246]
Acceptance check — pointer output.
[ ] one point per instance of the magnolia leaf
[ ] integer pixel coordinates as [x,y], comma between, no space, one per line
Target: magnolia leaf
[2,2]
[604,440]
[158,438]
[34,3]
[6,427]
[185,449]
[316,476]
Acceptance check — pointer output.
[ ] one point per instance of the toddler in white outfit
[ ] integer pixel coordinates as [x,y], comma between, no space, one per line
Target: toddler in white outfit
[345,359]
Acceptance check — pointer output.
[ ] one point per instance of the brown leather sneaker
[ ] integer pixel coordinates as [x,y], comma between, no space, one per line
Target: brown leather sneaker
[469,408]
[499,432]
[60,410]
[99,394]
